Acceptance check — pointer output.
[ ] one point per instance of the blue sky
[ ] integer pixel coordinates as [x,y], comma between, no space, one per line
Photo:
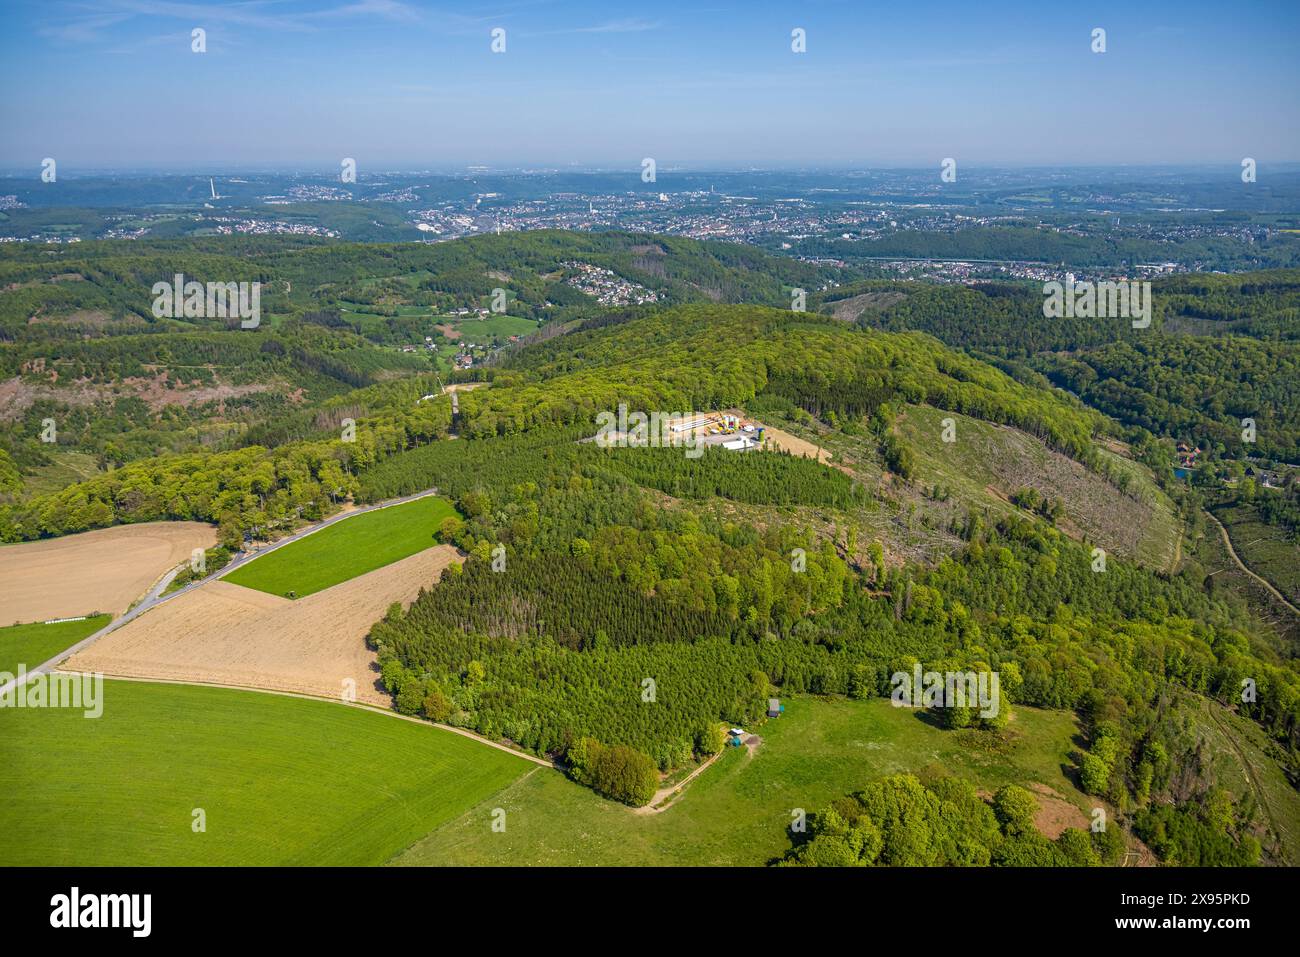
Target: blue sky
[107,83]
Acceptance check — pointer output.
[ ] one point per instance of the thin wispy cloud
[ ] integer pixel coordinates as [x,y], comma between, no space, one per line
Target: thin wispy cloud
[394,75]
[620,26]
[632,25]
[83,29]
[389,10]
[81,23]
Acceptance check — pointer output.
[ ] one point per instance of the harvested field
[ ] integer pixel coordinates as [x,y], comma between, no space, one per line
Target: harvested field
[104,570]
[226,634]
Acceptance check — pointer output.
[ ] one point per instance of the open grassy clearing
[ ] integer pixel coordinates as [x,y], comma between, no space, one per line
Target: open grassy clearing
[30,645]
[366,312]
[282,780]
[496,325]
[737,811]
[346,549]
[66,468]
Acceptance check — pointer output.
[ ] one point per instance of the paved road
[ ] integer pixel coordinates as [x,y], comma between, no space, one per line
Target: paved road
[155,597]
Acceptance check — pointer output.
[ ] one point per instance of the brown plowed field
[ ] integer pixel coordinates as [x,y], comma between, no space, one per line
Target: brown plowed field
[104,570]
[227,634]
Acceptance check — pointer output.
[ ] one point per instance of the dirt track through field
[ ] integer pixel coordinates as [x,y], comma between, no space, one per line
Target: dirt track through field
[222,633]
[104,570]
[1232,553]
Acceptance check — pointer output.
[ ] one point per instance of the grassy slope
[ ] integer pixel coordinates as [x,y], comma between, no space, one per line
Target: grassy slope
[346,549]
[989,463]
[1239,750]
[65,469]
[282,780]
[736,812]
[31,645]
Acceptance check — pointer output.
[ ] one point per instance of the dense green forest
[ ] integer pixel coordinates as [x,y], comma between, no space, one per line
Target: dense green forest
[697,358]
[900,822]
[251,490]
[616,606]
[1006,318]
[1220,348]
[1196,389]
[598,589]
[299,274]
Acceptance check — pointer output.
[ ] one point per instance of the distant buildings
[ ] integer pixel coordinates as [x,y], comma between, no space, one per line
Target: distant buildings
[608,288]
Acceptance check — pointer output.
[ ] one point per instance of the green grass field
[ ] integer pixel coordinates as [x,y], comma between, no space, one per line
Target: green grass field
[32,645]
[282,780]
[495,325]
[737,811]
[346,549]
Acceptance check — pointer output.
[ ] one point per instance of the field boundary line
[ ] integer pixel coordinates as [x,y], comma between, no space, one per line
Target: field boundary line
[360,705]
[154,597]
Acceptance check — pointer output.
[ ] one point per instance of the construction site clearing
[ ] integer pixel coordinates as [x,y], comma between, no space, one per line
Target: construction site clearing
[730,430]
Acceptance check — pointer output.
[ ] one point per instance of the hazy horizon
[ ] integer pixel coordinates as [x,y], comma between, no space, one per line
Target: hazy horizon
[328,167]
[404,86]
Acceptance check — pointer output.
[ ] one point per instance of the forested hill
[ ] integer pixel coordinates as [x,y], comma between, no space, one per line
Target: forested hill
[115,278]
[1220,349]
[80,344]
[697,358]
[683,359]
[1006,319]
